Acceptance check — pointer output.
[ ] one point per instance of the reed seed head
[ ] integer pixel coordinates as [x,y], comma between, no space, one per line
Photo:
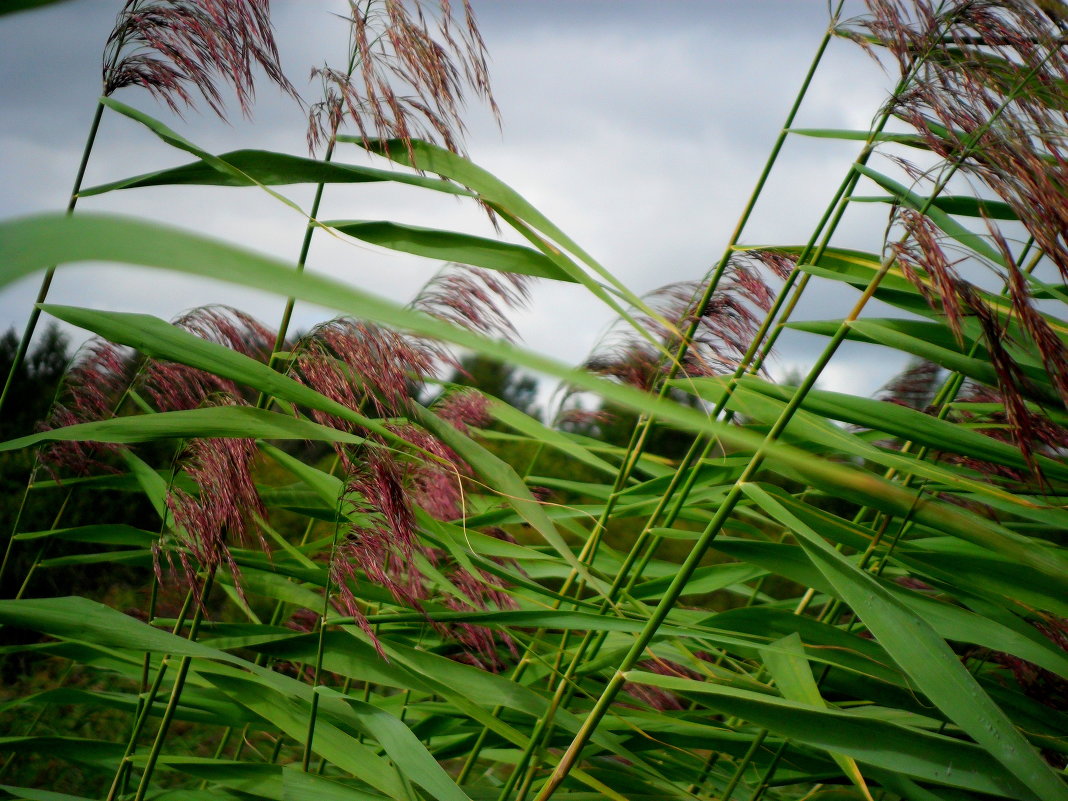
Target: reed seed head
[720,327]
[176,49]
[476,299]
[408,77]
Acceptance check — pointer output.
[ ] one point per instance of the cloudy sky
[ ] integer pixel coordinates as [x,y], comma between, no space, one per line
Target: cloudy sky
[638,127]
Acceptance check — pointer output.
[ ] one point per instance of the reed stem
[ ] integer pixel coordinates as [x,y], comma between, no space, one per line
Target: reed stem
[46,282]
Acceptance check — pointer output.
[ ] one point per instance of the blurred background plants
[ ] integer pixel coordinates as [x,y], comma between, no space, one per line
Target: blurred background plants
[371,561]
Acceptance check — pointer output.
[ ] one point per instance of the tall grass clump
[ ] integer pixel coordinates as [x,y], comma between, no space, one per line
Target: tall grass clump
[362,581]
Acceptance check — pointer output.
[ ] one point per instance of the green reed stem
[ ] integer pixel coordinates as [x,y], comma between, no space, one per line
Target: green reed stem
[947,173]
[302,260]
[41,551]
[320,649]
[145,705]
[46,282]
[176,692]
[734,496]
[644,425]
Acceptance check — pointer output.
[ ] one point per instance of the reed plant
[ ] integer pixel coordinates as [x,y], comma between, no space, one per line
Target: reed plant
[363,586]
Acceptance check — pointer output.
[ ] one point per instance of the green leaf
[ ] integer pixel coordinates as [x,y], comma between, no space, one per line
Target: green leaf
[916,202]
[468,688]
[327,487]
[100,534]
[152,484]
[910,139]
[84,751]
[403,748]
[214,421]
[78,618]
[300,786]
[963,205]
[262,167]
[870,741]
[174,139]
[804,426]
[31,793]
[490,254]
[286,703]
[924,656]
[431,158]
[934,342]
[909,425]
[788,666]
[10,7]
[704,580]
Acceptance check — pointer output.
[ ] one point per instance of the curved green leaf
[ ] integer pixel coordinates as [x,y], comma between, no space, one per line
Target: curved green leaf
[490,254]
[263,167]
[924,656]
[214,421]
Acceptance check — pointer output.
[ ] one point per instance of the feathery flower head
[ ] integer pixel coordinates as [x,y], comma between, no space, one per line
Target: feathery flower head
[915,387]
[407,77]
[100,372]
[433,483]
[363,366]
[222,511]
[382,540]
[722,326]
[173,387]
[175,47]
[474,298]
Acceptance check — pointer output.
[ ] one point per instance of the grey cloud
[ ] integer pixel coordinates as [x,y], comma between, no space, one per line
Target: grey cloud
[638,126]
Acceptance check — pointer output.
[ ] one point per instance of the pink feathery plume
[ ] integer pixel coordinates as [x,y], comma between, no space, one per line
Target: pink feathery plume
[476,299]
[91,389]
[382,543]
[986,94]
[363,366]
[173,387]
[479,593]
[224,509]
[408,77]
[173,48]
[915,387]
[722,326]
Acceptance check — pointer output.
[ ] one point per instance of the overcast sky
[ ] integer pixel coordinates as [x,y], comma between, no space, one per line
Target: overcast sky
[638,127]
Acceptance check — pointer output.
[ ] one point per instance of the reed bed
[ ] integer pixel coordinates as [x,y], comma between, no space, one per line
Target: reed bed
[360,580]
